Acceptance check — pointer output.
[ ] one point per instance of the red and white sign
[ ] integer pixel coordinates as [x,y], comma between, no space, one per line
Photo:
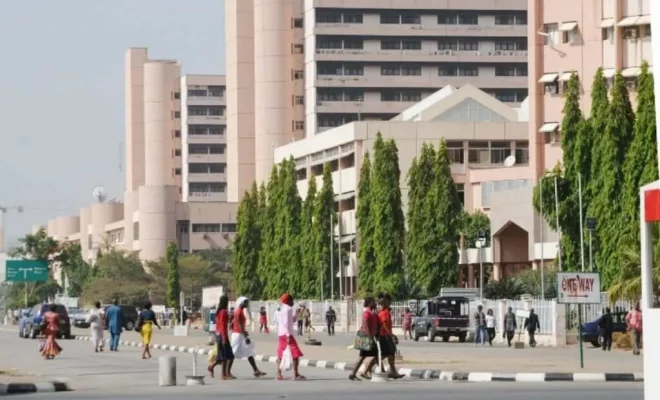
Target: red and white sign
[578,287]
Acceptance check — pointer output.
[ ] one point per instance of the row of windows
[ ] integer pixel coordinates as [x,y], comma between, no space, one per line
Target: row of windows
[415,18]
[328,43]
[488,152]
[211,91]
[206,149]
[213,228]
[206,187]
[415,70]
[357,95]
[215,111]
[202,130]
[206,168]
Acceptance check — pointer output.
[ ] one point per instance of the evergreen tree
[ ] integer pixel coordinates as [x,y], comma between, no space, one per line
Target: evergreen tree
[640,167]
[600,104]
[420,181]
[310,265]
[366,256]
[387,216]
[444,211]
[606,204]
[246,247]
[173,288]
[324,212]
[269,198]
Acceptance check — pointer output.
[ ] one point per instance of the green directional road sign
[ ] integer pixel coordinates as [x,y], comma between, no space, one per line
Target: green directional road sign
[26,271]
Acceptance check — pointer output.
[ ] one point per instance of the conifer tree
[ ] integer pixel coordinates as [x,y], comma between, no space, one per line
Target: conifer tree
[324,213]
[310,265]
[366,257]
[246,246]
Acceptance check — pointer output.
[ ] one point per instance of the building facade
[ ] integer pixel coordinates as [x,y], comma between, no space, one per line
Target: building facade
[175,168]
[299,67]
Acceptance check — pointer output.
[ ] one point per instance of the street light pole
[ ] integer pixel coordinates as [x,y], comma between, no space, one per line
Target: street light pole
[542,219]
[481,242]
[557,220]
[332,263]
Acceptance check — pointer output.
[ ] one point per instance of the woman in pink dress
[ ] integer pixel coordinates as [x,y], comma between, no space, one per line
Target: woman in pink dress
[407,323]
[52,326]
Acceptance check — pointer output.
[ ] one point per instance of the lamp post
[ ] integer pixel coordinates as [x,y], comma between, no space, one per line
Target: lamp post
[481,242]
[591,226]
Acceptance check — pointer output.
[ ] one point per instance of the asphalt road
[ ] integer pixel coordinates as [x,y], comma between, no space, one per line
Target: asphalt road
[124,375]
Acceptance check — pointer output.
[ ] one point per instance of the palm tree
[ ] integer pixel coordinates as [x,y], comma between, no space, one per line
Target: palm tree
[628,283]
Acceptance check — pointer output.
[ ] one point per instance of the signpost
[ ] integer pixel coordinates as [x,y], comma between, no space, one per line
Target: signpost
[26,271]
[578,288]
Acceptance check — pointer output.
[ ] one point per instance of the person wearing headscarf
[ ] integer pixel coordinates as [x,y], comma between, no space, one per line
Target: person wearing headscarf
[241,345]
[286,337]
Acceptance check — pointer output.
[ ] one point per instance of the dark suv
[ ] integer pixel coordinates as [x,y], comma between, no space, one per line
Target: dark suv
[130,316]
[31,322]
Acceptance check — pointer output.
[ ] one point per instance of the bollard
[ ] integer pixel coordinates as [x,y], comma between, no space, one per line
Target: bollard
[378,376]
[167,371]
[194,379]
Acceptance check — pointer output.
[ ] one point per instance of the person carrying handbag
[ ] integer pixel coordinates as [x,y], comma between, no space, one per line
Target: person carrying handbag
[365,339]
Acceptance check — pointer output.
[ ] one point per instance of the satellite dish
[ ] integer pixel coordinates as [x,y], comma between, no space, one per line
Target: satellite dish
[99,194]
[510,161]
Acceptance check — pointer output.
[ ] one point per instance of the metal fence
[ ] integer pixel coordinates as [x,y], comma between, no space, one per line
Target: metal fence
[591,312]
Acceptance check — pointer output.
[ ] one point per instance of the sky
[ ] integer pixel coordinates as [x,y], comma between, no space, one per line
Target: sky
[62,93]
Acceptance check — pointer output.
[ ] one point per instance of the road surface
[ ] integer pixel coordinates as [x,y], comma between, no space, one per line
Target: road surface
[124,375]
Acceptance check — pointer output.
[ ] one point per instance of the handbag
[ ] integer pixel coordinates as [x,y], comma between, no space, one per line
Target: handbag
[363,341]
[138,326]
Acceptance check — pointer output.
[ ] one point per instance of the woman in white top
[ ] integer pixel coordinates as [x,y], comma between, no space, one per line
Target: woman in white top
[490,326]
[96,320]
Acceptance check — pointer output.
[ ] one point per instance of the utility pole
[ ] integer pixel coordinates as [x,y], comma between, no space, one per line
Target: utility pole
[332,263]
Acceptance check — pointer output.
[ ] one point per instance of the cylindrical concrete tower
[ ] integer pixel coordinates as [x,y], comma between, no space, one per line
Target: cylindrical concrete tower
[273,81]
[158,197]
[85,221]
[51,229]
[103,214]
[67,226]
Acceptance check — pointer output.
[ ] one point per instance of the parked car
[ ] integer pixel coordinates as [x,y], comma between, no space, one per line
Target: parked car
[78,317]
[591,332]
[444,317]
[30,324]
[130,316]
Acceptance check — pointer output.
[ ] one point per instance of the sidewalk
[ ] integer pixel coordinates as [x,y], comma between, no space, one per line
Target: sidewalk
[446,356]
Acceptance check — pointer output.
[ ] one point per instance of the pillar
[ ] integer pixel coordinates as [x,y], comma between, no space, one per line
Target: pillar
[470,276]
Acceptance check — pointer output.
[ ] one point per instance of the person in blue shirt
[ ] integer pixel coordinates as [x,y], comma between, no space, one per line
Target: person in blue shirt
[114,320]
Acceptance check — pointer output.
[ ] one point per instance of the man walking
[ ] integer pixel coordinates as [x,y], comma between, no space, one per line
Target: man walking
[299,319]
[510,325]
[480,326]
[634,321]
[330,319]
[605,328]
[532,324]
[114,320]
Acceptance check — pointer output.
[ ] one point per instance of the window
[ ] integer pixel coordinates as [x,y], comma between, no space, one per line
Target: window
[448,45]
[468,71]
[297,23]
[298,49]
[299,100]
[390,96]
[328,43]
[505,45]
[205,228]
[390,71]
[499,151]
[411,44]
[390,45]
[455,152]
[411,71]
[177,95]
[206,168]
[521,19]
[468,45]
[136,231]
[448,71]
[354,95]
[478,153]
[647,31]
[551,36]
[356,70]
[503,70]
[206,187]
[411,96]
[330,95]
[468,19]
[177,152]
[197,93]
[505,20]
[177,171]
[389,18]
[354,44]
[216,149]
[328,17]
[460,191]
[177,133]
[353,18]
[216,91]
[522,152]
[298,74]
[205,130]
[412,19]
[216,111]
[177,114]
[330,121]
[298,125]
[631,32]
[446,18]
[608,33]
[229,228]
[330,69]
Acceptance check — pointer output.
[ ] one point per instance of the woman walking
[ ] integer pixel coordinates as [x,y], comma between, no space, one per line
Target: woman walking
[407,323]
[241,344]
[286,337]
[370,330]
[225,355]
[263,320]
[95,320]
[52,327]
[146,322]
[491,323]
[386,338]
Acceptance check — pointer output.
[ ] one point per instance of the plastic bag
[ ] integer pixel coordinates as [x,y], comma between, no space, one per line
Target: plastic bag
[287,360]
[213,354]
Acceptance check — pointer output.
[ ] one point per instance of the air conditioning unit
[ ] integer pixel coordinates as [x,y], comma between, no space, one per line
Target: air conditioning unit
[631,33]
[448,52]
[225,236]
[550,89]
[498,53]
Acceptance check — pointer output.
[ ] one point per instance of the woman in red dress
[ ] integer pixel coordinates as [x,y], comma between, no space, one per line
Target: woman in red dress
[387,339]
[407,324]
[52,326]
[370,327]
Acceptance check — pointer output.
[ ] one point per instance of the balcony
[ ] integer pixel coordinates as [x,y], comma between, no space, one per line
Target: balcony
[422,82]
[422,30]
[207,139]
[207,197]
[219,177]
[206,101]
[366,107]
[207,158]
[425,55]
[206,119]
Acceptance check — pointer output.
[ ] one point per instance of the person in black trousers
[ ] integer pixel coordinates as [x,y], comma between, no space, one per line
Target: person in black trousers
[532,324]
[605,328]
[330,319]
